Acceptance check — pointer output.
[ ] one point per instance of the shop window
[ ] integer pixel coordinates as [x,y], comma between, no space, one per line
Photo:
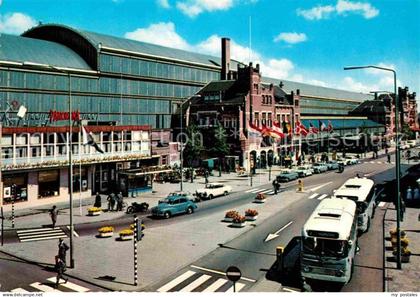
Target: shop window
[48,183]
[21,182]
[80,180]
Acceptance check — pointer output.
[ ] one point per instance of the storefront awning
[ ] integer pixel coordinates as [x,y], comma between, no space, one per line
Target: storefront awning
[141,172]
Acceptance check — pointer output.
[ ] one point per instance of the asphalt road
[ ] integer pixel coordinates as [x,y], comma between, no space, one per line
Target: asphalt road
[21,276]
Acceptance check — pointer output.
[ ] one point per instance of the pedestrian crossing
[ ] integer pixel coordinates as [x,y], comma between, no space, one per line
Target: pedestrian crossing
[48,287]
[377,162]
[194,281]
[262,191]
[40,234]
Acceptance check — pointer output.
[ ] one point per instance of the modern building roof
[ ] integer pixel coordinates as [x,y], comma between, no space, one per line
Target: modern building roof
[369,107]
[344,123]
[18,49]
[317,91]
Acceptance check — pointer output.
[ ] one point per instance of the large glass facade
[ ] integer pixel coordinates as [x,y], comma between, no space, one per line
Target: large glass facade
[326,106]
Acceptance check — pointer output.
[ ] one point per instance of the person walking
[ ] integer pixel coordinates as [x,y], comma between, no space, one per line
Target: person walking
[53,214]
[276,186]
[62,251]
[111,201]
[388,157]
[98,200]
[60,268]
[120,201]
[206,176]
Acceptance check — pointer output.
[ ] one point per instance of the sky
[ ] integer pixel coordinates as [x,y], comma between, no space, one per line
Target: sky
[300,40]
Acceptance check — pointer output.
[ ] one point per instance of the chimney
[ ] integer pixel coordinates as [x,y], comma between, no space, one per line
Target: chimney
[225,58]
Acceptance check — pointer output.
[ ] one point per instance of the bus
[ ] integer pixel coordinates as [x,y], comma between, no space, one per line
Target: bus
[329,240]
[363,192]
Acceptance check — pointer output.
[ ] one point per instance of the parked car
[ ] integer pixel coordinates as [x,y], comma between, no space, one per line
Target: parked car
[287,175]
[351,160]
[213,190]
[175,203]
[304,171]
[332,165]
[319,167]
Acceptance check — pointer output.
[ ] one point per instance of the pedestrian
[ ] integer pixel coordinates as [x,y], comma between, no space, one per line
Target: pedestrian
[111,201]
[120,201]
[206,176]
[62,251]
[60,268]
[388,156]
[53,214]
[98,200]
[275,182]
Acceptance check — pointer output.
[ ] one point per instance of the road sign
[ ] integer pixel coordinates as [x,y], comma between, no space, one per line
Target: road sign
[233,273]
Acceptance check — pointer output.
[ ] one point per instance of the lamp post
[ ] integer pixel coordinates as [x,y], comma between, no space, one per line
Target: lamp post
[397,154]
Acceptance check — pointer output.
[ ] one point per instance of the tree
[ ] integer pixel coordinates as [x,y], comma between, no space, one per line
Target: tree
[407,133]
[192,147]
[220,147]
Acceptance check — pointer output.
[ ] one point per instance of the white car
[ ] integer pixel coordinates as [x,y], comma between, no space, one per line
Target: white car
[351,160]
[304,171]
[412,143]
[213,190]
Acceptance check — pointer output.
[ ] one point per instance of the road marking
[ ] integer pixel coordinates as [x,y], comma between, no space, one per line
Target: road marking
[37,234]
[39,229]
[216,285]
[238,287]
[319,187]
[271,236]
[19,290]
[69,285]
[271,192]
[258,191]
[313,196]
[74,232]
[44,238]
[290,290]
[43,288]
[176,281]
[322,196]
[381,204]
[370,173]
[371,162]
[199,281]
[221,273]
[265,192]
[251,190]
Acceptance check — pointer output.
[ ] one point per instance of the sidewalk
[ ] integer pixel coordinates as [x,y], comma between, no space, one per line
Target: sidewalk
[408,278]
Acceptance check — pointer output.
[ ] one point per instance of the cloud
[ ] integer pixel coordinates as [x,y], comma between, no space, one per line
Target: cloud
[164,3]
[161,34]
[193,8]
[342,8]
[291,37]
[16,23]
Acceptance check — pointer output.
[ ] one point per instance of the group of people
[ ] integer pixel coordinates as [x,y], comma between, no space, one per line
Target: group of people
[115,202]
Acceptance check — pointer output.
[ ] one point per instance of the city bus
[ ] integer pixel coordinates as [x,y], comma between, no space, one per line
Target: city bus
[363,192]
[329,240]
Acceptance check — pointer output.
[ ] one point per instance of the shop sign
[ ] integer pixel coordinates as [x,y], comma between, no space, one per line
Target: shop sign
[56,116]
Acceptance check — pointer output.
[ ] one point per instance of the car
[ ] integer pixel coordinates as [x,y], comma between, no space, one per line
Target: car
[175,203]
[304,171]
[412,143]
[319,167]
[351,160]
[287,175]
[213,190]
[404,145]
[332,165]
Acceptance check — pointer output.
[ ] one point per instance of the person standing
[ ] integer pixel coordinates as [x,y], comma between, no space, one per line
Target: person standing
[120,201]
[276,186]
[388,157]
[98,200]
[61,268]
[206,176]
[111,201]
[53,214]
[62,251]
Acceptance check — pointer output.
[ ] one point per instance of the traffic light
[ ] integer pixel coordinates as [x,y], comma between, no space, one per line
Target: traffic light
[13,191]
[140,227]
[270,159]
[251,162]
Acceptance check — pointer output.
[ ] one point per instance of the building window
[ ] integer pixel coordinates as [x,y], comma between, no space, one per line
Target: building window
[264,119]
[296,102]
[269,120]
[257,119]
[278,118]
[48,183]
[21,181]
[283,118]
[77,182]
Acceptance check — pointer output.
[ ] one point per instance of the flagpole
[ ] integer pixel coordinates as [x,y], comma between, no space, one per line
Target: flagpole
[80,168]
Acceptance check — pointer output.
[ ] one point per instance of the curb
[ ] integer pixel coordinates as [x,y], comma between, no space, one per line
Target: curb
[385,271]
[66,274]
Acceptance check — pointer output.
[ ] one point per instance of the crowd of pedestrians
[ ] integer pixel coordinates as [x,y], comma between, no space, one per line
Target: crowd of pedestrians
[115,202]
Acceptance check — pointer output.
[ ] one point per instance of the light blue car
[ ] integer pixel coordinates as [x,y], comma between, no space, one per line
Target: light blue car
[172,205]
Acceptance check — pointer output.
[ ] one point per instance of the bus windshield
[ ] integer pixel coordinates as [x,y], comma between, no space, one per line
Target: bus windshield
[325,247]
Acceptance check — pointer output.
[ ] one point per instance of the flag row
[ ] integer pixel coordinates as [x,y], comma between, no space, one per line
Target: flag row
[282,130]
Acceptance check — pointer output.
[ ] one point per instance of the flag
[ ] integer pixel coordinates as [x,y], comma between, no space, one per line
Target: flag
[267,131]
[89,140]
[289,128]
[322,126]
[330,126]
[254,130]
[300,129]
[312,128]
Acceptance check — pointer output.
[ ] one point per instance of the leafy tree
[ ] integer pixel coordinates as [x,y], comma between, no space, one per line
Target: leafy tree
[407,133]
[220,147]
[192,147]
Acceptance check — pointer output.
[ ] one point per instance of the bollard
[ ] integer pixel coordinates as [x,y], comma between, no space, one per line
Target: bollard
[300,185]
[279,256]
[13,213]
[136,222]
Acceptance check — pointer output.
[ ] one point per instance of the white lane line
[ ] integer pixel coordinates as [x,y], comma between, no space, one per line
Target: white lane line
[19,290]
[39,229]
[381,204]
[271,192]
[379,162]
[313,196]
[371,162]
[251,190]
[319,187]
[43,288]
[271,236]
[258,191]
[69,285]
[43,238]
[238,287]
[176,281]
[322,196]
[290,290]
[265,192]
[216,285]
[41,235]
[74,232]
[199,281]
[221,273]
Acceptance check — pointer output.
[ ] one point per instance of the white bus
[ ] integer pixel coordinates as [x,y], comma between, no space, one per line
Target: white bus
[329,239]
[363,192]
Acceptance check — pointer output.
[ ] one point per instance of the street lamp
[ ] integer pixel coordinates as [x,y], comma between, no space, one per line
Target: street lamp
[397,154]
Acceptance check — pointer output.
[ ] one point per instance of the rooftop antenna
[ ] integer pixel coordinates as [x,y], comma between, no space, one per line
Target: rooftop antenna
[250,38]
